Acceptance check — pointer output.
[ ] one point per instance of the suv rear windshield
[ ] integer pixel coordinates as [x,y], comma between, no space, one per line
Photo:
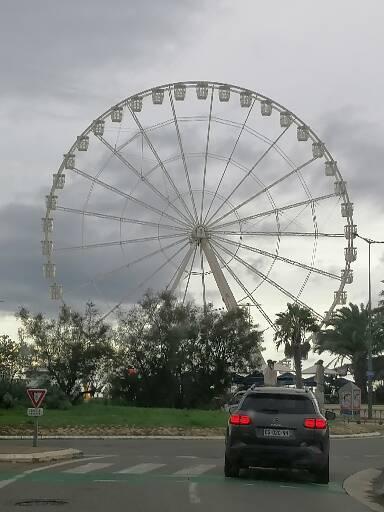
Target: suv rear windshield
[276,403]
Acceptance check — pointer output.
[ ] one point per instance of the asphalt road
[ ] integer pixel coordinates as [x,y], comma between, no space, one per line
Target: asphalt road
[177,475]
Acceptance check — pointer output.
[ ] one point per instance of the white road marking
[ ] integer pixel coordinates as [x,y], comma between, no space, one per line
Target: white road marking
[194,498]
[99,456]
[186,457]
[140,469]
[88,468]
[4,483]
[194,470]
[372,456]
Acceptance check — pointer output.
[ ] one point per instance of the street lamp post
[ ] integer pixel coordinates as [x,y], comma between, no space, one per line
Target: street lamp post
[370,373]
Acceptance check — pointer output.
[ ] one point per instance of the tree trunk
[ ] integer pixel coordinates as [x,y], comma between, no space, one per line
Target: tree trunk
[298,368]
[359,368]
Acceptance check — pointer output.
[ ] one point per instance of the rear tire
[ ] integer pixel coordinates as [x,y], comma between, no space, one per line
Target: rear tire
[322,475]
[231,470]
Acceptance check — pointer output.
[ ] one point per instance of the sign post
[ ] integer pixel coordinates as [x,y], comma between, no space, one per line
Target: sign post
[36,396]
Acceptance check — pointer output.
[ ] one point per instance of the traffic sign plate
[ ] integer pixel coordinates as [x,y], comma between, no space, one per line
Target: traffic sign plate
[35,411]
[36,396]
[370,374]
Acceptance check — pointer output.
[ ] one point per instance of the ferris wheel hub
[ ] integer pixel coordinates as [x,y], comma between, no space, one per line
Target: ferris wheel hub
[199,233]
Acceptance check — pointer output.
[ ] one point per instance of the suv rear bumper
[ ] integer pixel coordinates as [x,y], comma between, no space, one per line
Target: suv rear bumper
[260,455]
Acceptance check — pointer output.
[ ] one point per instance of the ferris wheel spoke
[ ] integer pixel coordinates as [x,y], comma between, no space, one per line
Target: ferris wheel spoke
[260,159]
[307,202]
[206,155]
[120,242]
[189,274]
[230,159]
[278,233]
[162,166]
[141,177]
[280,258]
[151,128]
[176,122]
[140,285]
[103,275]
[127,196]
[127,220]
[267,279]
[175,279]
[242,286]
[203,278]
[264,190]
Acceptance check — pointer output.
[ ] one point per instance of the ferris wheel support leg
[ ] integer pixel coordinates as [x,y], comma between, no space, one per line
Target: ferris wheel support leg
[222,284]
[182,268]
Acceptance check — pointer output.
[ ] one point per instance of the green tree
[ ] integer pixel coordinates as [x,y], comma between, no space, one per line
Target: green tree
[227,344]
[346,335]
[184,355]
[74,348]
[293,330]
[11,358]
[381,301]
[152,337]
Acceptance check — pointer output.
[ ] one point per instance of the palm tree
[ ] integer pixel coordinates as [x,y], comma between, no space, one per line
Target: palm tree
[346,337]
[293,329]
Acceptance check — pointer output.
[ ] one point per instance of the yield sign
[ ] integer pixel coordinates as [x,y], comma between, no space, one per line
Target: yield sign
[36,396]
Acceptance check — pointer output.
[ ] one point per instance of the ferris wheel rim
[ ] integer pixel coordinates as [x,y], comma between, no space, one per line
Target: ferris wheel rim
[236,89]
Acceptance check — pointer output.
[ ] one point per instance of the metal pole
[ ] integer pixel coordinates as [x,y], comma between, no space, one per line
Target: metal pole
[369,241]
[370,367]
[35,431]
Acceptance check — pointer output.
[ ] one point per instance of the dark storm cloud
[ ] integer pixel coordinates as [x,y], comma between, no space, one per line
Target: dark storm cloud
[63,63]
[21,261]
[356,143]
[50,48]
[21,276]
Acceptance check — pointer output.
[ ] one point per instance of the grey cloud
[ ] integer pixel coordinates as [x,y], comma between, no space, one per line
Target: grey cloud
[21,266]
[64,41]
[68,60]
[356,144]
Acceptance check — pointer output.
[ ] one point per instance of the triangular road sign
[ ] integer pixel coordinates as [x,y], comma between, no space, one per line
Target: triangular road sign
[36,396]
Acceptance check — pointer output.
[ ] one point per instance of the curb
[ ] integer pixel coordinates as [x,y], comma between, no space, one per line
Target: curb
[360,486]
[69,453]
[178,437]
[364,435]
[101,436]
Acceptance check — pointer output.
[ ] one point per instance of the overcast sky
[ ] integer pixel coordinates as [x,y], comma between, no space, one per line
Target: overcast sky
[64,63]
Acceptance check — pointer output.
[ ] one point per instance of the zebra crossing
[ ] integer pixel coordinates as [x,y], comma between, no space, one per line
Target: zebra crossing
[88,468]
[140,469]
[191,469]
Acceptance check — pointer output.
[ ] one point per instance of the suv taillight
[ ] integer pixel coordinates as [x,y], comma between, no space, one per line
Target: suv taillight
[240,419]
[315,423]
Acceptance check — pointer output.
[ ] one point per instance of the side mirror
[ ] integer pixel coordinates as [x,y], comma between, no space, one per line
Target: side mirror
[330,415]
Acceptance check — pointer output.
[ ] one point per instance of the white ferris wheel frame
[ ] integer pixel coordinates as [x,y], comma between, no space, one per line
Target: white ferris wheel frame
[190,228]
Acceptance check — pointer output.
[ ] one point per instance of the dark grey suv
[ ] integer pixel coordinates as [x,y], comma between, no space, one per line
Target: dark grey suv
[277,427]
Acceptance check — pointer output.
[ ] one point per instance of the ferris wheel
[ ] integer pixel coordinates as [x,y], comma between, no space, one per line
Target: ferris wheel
[214,192]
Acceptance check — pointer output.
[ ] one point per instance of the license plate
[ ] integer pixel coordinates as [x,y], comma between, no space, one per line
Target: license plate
[276,432]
